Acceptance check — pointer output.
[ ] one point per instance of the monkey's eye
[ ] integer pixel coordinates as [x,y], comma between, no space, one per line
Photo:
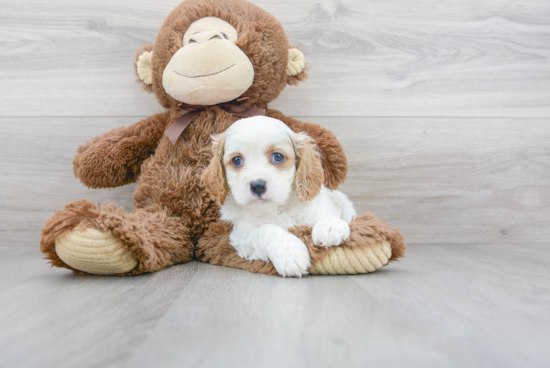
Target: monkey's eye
[277,158]
[237,161]
[224,35]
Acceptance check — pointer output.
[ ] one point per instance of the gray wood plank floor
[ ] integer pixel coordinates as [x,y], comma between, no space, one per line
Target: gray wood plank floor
[442,306]
[443,108]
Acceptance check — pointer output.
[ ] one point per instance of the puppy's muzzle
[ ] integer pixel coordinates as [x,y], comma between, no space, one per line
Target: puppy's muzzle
[258,187]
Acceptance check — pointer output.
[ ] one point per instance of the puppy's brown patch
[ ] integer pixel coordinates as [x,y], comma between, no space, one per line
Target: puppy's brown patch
[287,151]
[309,174]
[213,177]
[229,165]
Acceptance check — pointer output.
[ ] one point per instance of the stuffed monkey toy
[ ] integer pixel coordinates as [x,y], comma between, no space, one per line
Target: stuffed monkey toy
[213,62]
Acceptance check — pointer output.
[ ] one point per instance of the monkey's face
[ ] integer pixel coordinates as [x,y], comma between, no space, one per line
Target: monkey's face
[210,68]
[213,51]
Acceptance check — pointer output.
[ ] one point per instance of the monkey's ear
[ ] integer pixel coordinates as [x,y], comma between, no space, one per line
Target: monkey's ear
[296,67]
[309,174]
[213,177]
[143,67]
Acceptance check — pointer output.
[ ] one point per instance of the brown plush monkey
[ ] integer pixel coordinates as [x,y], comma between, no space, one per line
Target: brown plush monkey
[208,53]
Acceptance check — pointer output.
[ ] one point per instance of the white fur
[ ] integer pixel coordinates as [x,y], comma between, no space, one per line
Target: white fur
[260,224]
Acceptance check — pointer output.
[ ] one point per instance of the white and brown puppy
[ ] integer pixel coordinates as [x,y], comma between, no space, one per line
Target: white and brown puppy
[268,179]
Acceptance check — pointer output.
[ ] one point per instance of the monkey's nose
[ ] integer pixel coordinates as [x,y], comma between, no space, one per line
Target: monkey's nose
[258,187]
[204,37]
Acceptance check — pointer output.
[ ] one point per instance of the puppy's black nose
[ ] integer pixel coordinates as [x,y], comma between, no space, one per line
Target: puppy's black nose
[258,187]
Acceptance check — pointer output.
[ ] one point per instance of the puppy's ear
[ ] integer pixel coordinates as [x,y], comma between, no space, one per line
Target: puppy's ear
[309,175]
[213,176]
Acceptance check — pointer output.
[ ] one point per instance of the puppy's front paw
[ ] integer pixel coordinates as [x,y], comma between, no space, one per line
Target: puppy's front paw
[330,231]
[290,257]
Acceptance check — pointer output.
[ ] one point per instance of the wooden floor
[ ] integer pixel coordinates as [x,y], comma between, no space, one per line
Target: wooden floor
[442,306]
[443,108]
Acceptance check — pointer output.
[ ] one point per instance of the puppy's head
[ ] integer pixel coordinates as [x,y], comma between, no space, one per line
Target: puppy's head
[261,160]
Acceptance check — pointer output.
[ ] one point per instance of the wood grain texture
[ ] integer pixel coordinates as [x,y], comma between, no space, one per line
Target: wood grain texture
[36,174]
[367,58]
[442,306]
[440,181]
[443,109]
[451,181]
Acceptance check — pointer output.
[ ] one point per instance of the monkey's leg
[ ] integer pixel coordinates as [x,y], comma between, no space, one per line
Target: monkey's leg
[107,241]
[214,248]
[372,244]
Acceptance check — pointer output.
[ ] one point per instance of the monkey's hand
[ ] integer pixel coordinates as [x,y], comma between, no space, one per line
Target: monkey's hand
[114,158]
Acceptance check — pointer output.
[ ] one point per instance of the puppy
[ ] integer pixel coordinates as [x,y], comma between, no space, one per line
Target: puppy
[268,179]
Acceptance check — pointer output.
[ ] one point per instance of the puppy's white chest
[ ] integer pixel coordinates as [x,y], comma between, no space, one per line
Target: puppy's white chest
[279,216]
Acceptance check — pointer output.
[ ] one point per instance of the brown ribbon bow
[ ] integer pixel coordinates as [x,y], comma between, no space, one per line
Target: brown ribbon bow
[232,107]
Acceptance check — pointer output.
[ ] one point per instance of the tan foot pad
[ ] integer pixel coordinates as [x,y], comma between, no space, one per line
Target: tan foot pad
[349,261]
[95,252]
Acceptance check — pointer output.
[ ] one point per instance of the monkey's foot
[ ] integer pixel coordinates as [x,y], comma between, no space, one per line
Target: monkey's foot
[105,240]
[346,260]
[371,244]
[96,252]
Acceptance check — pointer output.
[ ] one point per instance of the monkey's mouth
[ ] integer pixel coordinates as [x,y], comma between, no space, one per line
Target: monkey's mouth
[204,75]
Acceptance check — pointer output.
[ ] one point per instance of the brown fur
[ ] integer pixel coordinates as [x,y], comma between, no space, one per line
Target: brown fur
[309,174]
[261,37]
[115,158]
[334,160]
[300,77]
[286,151]
[148,47]
[213,176]
[154,238]
[174,213]
[214,248]
[365,230]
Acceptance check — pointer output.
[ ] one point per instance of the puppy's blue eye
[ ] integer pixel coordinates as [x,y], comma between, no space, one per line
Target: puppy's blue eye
[224,35]
[278,158]
[237,161]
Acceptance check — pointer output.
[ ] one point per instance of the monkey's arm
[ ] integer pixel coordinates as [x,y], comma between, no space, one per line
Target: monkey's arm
[335,162]
[114,158]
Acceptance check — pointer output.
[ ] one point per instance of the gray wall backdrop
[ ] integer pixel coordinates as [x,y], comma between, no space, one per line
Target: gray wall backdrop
[443,107]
